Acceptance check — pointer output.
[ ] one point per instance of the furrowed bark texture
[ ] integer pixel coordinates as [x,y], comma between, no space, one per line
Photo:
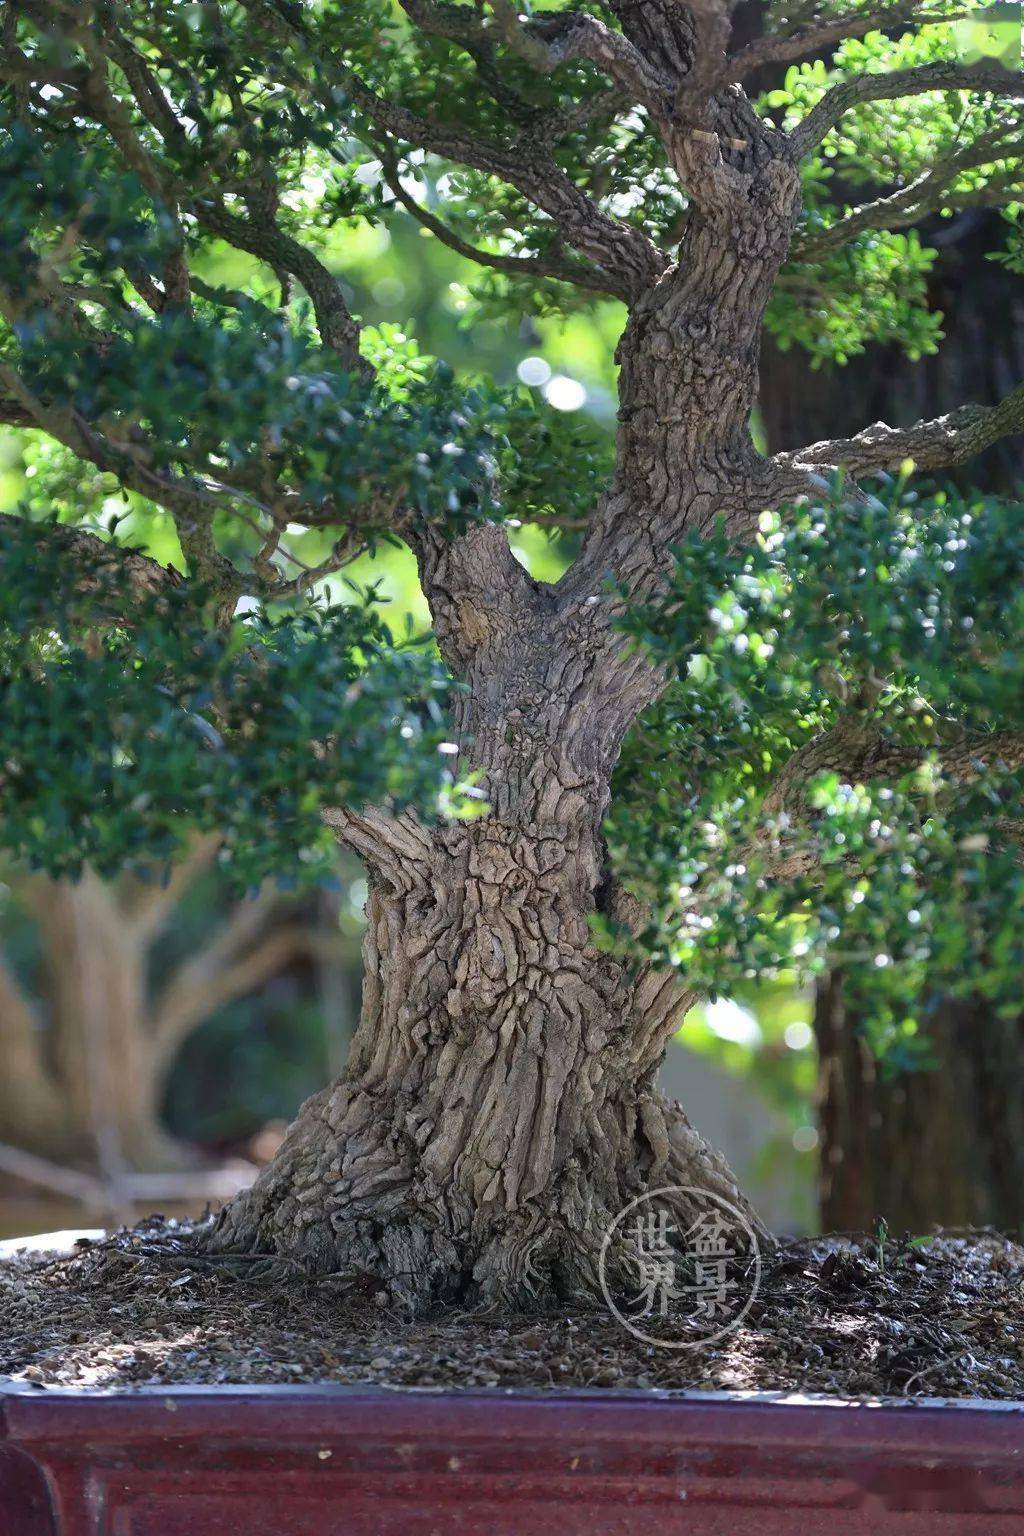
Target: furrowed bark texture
[499,1108]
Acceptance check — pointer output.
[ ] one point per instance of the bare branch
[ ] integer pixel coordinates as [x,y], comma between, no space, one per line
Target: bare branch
[944,75]
[902,212]
[457,23]
[935,444]
[577,36]
[474,586]
[14,412]
[513,266]
[201,1186]
[822,36]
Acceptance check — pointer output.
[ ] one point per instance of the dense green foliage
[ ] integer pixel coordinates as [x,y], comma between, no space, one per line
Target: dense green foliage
[118,738]
[861,643]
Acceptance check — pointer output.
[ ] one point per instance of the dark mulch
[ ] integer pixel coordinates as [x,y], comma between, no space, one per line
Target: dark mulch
[936,1318]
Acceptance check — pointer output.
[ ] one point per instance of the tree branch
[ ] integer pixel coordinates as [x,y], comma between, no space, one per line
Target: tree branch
[477,590]
[14,412]
[985,78]
[147,905]
[579,36]
[144,574]
[397,847]
[263,238]
[258,234]
[935,444]
[548,41]
[41,1173]
[823,35]
[708,69]
[190,503]
[858,752]
[20,1037]
[237,960]
[513,266]
[925,195]
[202,1186]
[456,23]
[181,1011]
[631,261]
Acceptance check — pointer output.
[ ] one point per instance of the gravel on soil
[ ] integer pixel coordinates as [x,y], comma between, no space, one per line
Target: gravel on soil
[930,1317]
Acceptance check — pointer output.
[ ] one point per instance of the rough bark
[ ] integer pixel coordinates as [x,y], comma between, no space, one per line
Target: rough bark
[499,1108]
[499,1101]
[930,1148]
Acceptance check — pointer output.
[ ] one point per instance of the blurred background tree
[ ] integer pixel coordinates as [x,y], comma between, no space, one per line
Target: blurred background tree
[942,1144]
[103,985]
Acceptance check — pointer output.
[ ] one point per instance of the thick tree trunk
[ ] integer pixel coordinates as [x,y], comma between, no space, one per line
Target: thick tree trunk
[86,1089]
[30,1103]
[499,1110]
[922,1149]
[103,1057]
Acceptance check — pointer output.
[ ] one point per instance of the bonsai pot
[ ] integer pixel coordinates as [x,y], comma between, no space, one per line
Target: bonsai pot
[287,1461]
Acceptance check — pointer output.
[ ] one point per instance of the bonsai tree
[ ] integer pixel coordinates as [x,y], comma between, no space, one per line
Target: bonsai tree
[821,717]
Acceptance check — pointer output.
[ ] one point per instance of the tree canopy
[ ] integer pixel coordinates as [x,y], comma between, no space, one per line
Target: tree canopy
[835,764]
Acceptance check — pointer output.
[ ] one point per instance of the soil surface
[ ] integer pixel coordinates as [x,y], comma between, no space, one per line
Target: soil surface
[937,1317]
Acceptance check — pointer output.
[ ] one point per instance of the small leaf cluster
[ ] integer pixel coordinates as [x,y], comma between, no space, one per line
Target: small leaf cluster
[875,288]
[234,389]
